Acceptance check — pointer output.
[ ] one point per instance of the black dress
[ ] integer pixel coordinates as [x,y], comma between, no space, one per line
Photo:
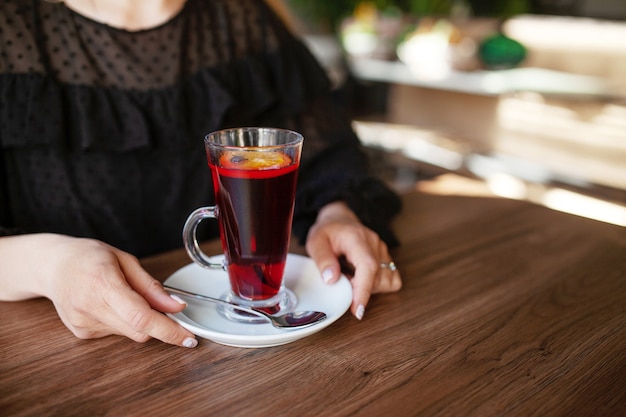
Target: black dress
[101,129]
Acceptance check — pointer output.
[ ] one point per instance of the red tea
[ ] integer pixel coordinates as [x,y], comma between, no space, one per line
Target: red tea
[255,198]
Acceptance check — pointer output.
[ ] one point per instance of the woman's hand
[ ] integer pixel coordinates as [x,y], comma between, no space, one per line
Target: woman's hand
[96,289]
[338,232]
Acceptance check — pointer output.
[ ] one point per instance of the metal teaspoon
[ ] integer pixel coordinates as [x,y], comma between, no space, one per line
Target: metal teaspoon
[288,320]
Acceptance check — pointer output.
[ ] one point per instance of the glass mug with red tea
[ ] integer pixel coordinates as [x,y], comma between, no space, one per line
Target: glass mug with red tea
[254,173]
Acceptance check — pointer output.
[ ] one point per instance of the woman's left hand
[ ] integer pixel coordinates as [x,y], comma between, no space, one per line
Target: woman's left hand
[338,232]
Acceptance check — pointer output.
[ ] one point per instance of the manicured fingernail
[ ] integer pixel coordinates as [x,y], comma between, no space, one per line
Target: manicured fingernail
[360,311]
[178,299]
[327,275]
[190,342]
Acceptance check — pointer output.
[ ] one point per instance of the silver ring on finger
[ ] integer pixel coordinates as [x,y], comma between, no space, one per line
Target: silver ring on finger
[388,265]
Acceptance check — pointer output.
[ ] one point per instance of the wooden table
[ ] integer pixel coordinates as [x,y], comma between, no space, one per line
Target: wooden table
[508,309]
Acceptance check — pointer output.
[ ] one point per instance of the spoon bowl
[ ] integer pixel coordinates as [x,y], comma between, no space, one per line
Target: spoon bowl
[283,321]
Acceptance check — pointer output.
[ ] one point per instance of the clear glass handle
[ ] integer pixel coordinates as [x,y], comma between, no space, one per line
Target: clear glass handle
[191,241]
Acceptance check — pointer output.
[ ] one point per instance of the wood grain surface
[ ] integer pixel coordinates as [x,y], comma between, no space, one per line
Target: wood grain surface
[508,309]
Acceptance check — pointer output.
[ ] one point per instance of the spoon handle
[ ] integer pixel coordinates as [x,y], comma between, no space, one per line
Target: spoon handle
[215,300]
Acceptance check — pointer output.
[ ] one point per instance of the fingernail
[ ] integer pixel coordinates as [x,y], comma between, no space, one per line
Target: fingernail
[190,342]
[360,311]
[327,275]
[178,299]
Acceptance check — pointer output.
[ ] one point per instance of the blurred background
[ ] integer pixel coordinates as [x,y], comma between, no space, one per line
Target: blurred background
[521,99]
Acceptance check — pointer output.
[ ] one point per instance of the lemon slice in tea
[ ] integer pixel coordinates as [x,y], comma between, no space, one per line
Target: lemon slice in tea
[254,160]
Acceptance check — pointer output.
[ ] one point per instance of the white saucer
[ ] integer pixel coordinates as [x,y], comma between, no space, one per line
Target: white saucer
[301,276]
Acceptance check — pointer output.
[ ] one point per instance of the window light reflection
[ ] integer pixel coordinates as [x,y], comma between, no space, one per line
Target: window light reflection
[585,206]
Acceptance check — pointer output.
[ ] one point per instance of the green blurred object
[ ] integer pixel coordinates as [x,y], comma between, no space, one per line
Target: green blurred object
[501,52]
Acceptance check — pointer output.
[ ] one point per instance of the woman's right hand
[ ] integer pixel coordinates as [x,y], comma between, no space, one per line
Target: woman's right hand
[97,290]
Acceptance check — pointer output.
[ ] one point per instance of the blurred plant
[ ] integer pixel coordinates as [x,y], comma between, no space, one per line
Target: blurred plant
[501,8]
[429,7]
[327,14]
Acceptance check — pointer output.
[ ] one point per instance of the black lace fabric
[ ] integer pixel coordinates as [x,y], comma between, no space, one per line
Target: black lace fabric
[101,129]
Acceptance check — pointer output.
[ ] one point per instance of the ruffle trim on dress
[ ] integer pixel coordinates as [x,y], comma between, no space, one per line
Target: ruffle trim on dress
[35,110]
